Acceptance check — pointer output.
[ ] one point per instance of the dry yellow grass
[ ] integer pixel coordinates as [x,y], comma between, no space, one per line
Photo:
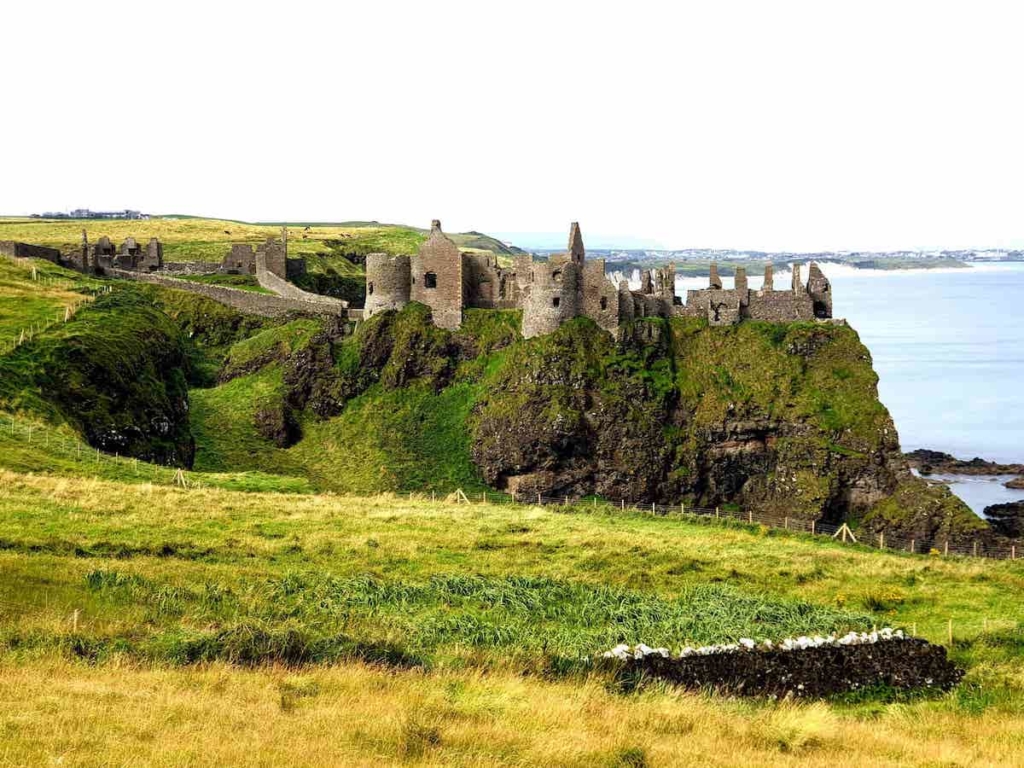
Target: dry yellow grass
[58,713]
[124,712]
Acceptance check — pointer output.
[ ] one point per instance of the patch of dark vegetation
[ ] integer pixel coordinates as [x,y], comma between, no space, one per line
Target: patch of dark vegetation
[116,550]
[896,665]
[306,617]
[394,349]
[119,374]
[330,283]
[276,422]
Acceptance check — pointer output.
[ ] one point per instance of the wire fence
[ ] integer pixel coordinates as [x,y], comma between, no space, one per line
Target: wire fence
[129,468]
[85,455]
[64,314]
[943,547]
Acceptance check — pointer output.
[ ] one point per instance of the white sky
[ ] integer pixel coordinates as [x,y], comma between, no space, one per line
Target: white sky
[770,125]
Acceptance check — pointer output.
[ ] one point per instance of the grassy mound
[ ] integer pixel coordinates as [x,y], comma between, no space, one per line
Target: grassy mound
[118,373]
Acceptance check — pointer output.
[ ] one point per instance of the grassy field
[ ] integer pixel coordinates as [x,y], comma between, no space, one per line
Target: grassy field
[34,292]
[334,629]
[199,239]
[220,616]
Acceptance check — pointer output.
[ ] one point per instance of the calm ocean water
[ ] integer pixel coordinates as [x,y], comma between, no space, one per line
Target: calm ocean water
[948,346]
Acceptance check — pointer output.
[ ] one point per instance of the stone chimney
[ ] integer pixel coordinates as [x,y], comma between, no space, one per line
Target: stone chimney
[715,282]
[741,285]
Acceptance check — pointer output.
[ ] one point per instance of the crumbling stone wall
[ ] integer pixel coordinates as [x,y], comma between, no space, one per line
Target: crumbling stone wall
[26,251]
[600,296]
[388,283]
[437,278]
[249,302]
[240,260]
[486,284]
[820,291]
[153,257]
[726,307]
[188,268]
[272,256]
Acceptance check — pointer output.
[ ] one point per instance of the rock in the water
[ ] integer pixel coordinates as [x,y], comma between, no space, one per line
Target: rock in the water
[929,462]
[1007,519]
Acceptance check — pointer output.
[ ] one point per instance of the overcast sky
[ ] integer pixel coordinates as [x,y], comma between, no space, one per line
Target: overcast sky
[768,125]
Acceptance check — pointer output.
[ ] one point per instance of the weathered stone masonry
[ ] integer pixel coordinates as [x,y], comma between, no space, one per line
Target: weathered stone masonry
[448,281]
[567,286]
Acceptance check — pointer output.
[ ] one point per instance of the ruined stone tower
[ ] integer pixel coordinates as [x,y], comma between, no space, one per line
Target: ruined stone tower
[388,283]
[437,278]
[820,291]
[555,292]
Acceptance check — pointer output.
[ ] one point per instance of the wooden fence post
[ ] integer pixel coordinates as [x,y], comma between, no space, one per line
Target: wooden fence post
[912,542]
[750,516]
[945,552]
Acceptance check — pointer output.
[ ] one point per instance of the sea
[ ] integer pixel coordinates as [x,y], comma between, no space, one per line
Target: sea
[948,347]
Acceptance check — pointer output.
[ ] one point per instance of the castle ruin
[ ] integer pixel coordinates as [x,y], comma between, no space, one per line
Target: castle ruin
[447,280]
[568,285]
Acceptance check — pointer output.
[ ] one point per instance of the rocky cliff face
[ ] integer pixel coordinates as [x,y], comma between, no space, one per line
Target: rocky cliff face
[774,418]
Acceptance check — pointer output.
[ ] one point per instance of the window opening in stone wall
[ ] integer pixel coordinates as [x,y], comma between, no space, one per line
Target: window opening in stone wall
[555,301]
[430,280]
[556,275]
[369,289]
[604,302]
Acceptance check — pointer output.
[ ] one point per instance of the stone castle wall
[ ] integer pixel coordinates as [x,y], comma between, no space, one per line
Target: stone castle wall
[486,285]
[600,296]
[189,268]
[248,302]
[272,256]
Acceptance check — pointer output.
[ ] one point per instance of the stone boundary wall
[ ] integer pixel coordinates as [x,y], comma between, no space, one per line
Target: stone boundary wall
[286,290]
[812,672]
[190,267]
[248,302]
[26,251]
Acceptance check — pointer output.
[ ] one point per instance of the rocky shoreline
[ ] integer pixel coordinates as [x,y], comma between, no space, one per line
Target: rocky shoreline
[929,462]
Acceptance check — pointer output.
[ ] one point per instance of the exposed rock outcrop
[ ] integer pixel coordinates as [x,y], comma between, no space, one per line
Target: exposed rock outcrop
[929,462]
[1007,519]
